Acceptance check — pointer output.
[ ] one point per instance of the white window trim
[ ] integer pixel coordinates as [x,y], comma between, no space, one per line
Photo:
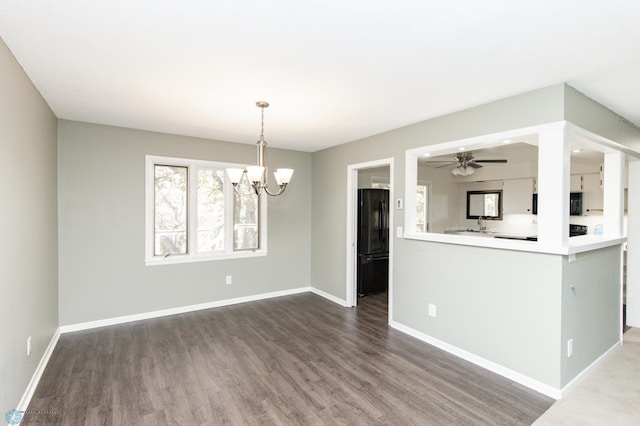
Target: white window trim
[192,255]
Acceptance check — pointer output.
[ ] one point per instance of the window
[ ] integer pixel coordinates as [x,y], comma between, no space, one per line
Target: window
[422,206]
[193,213]
[485,204]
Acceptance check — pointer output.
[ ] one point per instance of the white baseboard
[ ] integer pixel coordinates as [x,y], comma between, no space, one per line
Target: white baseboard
[328,296]
[589,369]
[180,310]
[482,362]
[35,379]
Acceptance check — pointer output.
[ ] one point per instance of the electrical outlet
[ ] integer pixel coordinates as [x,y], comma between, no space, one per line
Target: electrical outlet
[228,280]
[28,345]
[432,310]
[569,348]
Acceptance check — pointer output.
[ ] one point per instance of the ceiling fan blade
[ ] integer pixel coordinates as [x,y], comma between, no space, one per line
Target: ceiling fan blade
[449,163]
[490,161]
[474,165]
[436,163]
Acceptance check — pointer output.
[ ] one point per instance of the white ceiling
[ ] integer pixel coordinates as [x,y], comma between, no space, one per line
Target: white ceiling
[333,70]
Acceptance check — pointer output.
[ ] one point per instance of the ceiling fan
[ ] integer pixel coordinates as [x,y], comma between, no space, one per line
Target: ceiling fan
[465,163]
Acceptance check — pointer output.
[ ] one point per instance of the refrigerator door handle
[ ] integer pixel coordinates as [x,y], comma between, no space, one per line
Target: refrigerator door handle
[382,220]
[375,257]
[385,219]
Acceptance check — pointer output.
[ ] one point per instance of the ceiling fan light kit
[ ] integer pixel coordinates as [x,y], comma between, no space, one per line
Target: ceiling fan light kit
[462,171]
[466,164]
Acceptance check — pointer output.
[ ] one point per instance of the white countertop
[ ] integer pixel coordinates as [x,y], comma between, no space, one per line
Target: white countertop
[576,244]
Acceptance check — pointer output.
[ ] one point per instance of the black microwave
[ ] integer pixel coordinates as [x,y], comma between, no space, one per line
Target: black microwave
[575,204]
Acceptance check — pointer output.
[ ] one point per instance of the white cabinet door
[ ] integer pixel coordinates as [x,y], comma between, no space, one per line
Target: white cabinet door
[575,183]
[517,196]
[592,196]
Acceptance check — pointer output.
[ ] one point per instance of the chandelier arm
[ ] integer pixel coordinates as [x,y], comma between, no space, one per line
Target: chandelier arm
[257,188]
[275,194]
[236,189]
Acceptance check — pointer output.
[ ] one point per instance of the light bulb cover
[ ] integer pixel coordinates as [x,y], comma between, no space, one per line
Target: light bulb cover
[235,175]
[283,176]
[462,171]
[255,173]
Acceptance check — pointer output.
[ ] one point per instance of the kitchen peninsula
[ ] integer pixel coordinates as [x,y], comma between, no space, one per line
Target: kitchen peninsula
[543,324]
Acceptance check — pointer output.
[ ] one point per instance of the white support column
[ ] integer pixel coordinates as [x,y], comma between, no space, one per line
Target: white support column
[554,163]
[633,249]
[613,185]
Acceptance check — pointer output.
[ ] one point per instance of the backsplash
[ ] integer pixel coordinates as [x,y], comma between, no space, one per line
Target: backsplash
[527,224]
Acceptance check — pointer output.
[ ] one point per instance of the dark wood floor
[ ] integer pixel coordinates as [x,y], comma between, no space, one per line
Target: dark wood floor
[292,360]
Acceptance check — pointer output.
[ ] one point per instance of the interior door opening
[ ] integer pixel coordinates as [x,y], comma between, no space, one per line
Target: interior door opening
[369,236]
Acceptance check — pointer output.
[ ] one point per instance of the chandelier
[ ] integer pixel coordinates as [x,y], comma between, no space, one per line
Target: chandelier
[258,175]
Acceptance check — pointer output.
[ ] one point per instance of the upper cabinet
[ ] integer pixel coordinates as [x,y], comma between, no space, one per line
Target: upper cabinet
[518,196]
[592,194]
[575,183]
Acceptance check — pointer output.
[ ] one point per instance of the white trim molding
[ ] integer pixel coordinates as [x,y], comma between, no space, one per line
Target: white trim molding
[329,297]
[35,379]
[510,374]
[565,390]
[524,380]
[179,310]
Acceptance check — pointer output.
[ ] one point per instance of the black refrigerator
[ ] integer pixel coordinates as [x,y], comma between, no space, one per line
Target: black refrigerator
[373,241]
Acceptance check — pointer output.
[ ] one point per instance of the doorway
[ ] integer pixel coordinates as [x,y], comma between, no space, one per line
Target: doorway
[373,174]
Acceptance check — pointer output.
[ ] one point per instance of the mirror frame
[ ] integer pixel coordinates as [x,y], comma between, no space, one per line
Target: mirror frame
[487,192]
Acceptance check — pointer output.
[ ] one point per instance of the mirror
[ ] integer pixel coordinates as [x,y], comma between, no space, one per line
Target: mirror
[487,204]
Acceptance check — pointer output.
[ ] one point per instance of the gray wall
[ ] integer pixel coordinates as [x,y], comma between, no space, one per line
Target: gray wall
[590,115]
[481,308]
[29,245]
[101,193]
[328,268]
[590,301]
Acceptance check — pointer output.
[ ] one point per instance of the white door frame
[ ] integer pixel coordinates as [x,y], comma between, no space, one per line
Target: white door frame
[352,212]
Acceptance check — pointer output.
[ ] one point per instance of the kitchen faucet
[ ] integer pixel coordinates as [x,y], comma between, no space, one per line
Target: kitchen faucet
[481,228]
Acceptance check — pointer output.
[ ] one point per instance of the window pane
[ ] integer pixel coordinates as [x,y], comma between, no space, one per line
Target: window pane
[245,217]
[210,210]
[170,214]
[421,208]
[491,204]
